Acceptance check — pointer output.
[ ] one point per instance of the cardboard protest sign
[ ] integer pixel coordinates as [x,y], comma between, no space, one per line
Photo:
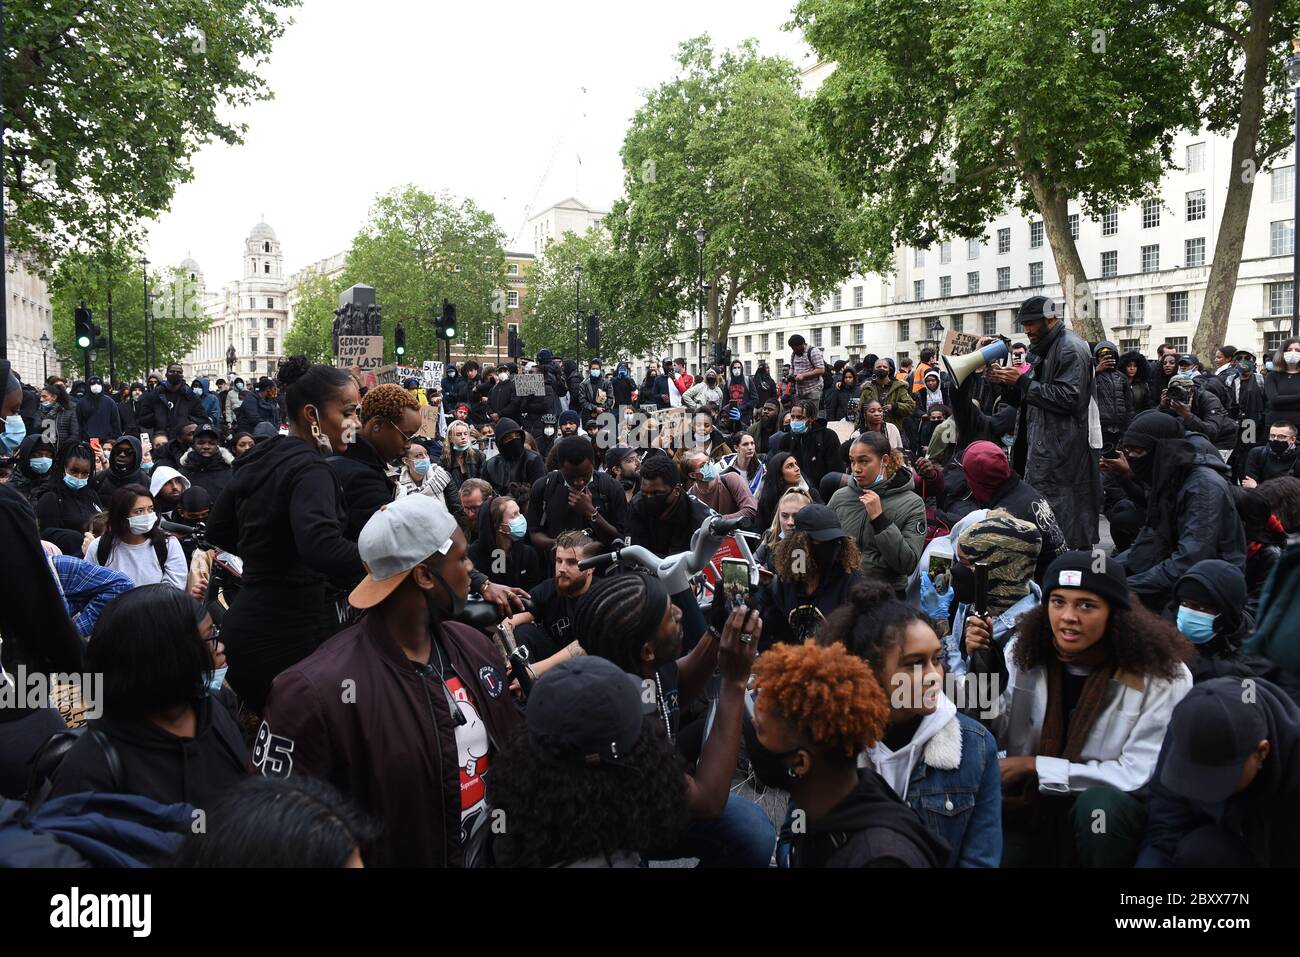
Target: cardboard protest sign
[530,383]
[365,353]
[959,343]
[432,374]
[407,372]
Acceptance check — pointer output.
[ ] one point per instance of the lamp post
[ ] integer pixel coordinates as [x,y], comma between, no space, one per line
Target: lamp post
[700,237]
[148,330]
[1293,71]
[45,356]
[577,313]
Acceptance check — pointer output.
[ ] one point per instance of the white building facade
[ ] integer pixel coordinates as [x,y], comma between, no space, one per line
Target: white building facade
[567,216]
[28,316]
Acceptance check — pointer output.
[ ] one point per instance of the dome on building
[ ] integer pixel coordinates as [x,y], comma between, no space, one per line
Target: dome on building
[262,232]
[190,266]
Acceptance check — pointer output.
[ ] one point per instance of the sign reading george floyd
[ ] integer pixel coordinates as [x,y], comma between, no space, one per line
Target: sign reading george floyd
[360,352]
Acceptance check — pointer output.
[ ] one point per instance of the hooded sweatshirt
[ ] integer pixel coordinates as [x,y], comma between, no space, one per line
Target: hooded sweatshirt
[211,404]
[891,545]
[213,473]
[25,479]
[109,480]
[896,766]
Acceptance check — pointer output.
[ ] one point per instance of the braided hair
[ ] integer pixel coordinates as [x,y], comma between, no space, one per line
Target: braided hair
[618,615]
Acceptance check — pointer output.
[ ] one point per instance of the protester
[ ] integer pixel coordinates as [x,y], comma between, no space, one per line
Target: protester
[390,417]
[420,475]
[575,496]
[663,516]
[816,565]
[210,403]
[783,474]
[1279,457]
[1137,374]
[724,492]
[130,410]
[134,545]
[842,402]
[506,555]
[941,762]
[171,405]
[1112,392]
[34,466]
[624,466]
[125,467]
[816,709]
[460,459]
[896,400]
[748,464]
[69,502]
[873,420]
[1282,385]
[1094,678]
[207,464]
[595,782]
[547,631]
[703,392]
[813,444]
[284,515]
[166,485]
[1189,398]
[515,466]
[807,369]
[766,425]
[472,494]
[87,590]
[60,421]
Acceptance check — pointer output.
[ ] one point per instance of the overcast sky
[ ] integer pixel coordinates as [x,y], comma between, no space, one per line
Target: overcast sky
[479,99]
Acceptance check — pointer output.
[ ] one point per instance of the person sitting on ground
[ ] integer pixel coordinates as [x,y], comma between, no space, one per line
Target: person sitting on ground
[941,762]
[420,475]
[815,446]
[167,485]
[895,398]
[34,465]
[624,466]
[873,417]
[663,516]
[748,464]
[472,495]
[505,556]
[595,782]
[816,565]
[69,502]
[547,631]
[1094,678]
[783,475]
[134,545]
[1281,456]
[706,437]
[460,459]
[516,465]
[575,496]
[724,492]
[390,417]
[817,708]
[782,526]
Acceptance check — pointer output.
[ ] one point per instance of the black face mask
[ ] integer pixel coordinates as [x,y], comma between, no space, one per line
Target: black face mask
[656,505]
[1279,448]
[512,449]
[1142,467]
[826,555]
[767,765]
[963,583]
[458,602]
[630,483]
[175,379]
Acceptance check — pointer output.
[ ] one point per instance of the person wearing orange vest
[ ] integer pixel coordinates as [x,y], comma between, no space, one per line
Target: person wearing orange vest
[916,380]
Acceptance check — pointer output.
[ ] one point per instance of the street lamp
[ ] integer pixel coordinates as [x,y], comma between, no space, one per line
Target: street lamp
[1293,71]
[577,313]
[45,356]
[700,236]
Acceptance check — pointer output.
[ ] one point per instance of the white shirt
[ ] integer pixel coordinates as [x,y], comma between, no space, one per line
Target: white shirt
[140,562]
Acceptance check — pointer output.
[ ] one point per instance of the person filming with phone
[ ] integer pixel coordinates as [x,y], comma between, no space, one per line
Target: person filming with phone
[816,565]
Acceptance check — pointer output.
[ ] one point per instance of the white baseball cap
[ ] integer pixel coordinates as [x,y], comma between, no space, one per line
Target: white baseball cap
[398,537]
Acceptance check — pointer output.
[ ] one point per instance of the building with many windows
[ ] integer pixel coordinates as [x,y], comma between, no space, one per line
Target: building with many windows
[28,316]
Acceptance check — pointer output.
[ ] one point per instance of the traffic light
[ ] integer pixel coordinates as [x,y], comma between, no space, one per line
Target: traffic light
[593,332]
[447,321]
[85,328]
[399,340]
[514,345]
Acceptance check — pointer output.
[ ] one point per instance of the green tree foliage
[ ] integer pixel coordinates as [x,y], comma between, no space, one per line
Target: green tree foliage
[106,103]
[724,145]
[942,116]
[312,332]
[178,320]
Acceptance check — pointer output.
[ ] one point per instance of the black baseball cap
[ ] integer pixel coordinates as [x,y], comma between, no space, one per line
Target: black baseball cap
[1035,308]
[589,710]
[1188,360]
[616,456]
[1213,730]
[196,499]
[207,428]
[819,522]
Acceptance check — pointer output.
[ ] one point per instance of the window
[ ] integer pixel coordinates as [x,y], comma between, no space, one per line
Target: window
[1283,179]
[989,323]
[1004,277]
[1177,307]
[1129,345]
[252,367]
[1273,341]
[749,367]
[266,247]
[945,285]
[733,344]
[904,330]
[1196,158]
[1135,309]
[1195,205]
[270,345]
[859,331]
[1150,213]
[270,302]
[763,340]
[958,323]
[512,299]
[1281,238]
[1109,263]
[266,267]
[918,289]
[1151,258]
[1279,298]
[835,336]
[252,346]
[1074,226]
[945,252]
[972,249]
[270,323]
[900,357]
[972,283]
[1004,240]
[817,337]
[1194,252]
[857,297]
[512,269]
[252,303]
[749,343]
[837,301]
[1036,273]
[918,257]
[745,314]
[1178,342]
[1036,234]
[1110,221]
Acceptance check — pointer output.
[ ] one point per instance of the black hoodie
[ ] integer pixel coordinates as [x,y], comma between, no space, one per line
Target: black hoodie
[871,827]
[109,480]
[24,479]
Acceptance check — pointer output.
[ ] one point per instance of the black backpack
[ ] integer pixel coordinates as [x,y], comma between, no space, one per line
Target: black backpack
[51,754]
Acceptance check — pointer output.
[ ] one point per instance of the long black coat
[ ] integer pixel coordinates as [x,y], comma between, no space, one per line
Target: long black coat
[1052,450]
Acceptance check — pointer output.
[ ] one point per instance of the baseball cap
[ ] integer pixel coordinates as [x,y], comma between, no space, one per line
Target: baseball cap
[1188,360]
[398,537]
[617,456]
[1035,308]
[1212,732]
[207,429]
[819,522]
[590,709]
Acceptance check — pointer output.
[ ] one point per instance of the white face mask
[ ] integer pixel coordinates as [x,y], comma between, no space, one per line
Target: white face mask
[503,377]
[1291,358]
[96,388]
[142,524]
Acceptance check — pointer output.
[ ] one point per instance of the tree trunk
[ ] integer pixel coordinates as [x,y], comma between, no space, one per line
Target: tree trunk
[1080,302]
[1212,328]
[720,312]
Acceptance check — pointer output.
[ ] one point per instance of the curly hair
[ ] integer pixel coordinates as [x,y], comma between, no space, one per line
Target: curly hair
[1283,497]
[388,400]
[871,623]
[1139,640]
[557,813]
[800,543]
[826,693]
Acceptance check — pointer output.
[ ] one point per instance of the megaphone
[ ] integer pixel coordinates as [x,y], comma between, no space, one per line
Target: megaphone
[961,367]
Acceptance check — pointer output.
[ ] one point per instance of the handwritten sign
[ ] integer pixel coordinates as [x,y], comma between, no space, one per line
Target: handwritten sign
[432,374]
[959,343]
[360,352]
[429,420]
[405,373]
[530,383]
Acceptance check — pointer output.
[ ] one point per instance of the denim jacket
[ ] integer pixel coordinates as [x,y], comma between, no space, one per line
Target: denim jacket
[957,790]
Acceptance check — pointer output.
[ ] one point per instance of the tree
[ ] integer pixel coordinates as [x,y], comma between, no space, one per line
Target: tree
[724,146]
[106,103]
[550,309]
[418,249]
[178,319]
[943,115]
[1239,54]
[312,332]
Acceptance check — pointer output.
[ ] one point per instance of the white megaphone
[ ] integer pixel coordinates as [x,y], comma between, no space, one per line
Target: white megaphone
[961,367]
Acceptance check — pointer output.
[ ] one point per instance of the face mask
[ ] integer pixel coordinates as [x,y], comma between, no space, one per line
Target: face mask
[216,679]
[782,535]
[826,555]
[451,375]
[421,467]
[768,765]
[703,436]
[239,387]
[656,505]
[197,391]
[737,371]
[142,524]
[595,373]
[711,380]
[41,466]
[1279,448]
[1198,626]
[798,426]
[622,373]
[46,406]
[461,446]
[512,449]
[1291,358]
[879,478]
[1142,467]
[15,432]
[175,378]
[147,466]
[504,377]
[709,472]
[457,601]
[518,527]
[75,483]
[96,388]
[1268,366]
[963,583]
[1247,367]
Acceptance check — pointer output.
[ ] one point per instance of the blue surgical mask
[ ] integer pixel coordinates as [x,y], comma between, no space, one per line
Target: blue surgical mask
[146,466]
[782,535]
[709,472]
[622,373]
[462,446]
[518,527]
[75,483]
[421,466]
[14,433]
[798,426]
[198,390]
[216,679]
[595,373]
[1198,626]
[41,465]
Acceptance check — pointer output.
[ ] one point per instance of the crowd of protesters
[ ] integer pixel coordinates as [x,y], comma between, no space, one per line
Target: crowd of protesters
[357,626]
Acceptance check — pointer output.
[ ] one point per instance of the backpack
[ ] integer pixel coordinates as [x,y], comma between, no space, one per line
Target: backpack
[51,754]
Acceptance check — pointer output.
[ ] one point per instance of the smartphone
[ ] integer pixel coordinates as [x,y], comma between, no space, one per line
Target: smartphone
[1110,453]
[94,444]
[735,582]
[939,565]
